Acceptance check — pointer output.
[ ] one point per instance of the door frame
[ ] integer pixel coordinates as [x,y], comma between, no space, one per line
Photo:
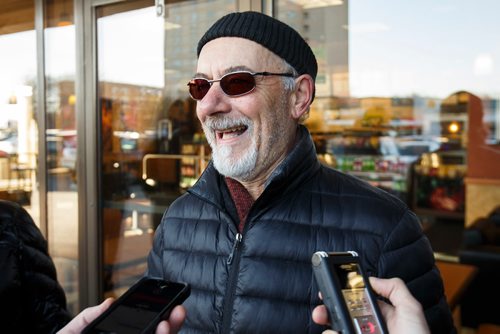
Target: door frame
[90,239]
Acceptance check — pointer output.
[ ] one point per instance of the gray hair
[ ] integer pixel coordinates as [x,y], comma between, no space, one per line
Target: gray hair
[289,82]
[289,85]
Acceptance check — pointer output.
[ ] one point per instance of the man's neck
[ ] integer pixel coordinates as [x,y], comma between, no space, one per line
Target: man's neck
[256,186]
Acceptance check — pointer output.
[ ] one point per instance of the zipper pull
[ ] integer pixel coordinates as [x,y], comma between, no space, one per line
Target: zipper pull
[235,247]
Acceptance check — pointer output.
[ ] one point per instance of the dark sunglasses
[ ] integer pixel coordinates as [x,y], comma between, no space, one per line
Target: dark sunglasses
[232,84]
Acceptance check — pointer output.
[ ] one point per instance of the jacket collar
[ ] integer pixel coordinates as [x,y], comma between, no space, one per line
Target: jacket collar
[300,164]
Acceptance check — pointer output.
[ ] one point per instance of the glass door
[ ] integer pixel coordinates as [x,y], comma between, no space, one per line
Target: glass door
[18,108]
[151,147]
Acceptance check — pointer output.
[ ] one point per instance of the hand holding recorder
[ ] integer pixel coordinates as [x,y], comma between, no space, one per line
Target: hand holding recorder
[405,315]
[351,304]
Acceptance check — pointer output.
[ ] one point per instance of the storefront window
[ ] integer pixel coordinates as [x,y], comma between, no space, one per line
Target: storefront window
[18,127]
[151,144]
[394,88]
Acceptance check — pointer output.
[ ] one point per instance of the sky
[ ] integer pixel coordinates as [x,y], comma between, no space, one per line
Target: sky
[396,48]
[425,47]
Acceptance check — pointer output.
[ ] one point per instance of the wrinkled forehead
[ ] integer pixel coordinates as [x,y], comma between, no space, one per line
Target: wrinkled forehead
[221,54]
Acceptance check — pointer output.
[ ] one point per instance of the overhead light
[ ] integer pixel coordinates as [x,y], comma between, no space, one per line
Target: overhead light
[65,21]
[171,25]
[13,99]
[308,4]
[65,17]
[453,127]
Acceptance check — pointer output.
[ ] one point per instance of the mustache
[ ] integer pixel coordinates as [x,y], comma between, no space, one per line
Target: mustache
[221,122]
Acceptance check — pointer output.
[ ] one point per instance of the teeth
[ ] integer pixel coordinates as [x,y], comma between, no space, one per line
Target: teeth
[235,129]
[228,135]
[231,133]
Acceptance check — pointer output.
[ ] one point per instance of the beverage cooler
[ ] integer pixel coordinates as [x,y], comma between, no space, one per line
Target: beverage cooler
[383,158]
[439,190]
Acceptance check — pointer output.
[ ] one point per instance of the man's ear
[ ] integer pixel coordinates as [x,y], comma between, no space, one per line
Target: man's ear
[303,94]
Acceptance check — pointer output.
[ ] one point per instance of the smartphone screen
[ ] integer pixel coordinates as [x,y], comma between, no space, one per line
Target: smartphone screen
[357,298]
[140,308]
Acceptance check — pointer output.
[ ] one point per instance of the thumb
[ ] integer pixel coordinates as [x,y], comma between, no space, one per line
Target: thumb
[85,317]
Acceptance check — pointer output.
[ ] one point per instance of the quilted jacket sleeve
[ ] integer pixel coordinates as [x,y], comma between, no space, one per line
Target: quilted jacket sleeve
[38,299]
[155,255]
[408,254]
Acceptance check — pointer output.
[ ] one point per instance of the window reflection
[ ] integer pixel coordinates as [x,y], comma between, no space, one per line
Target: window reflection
[392,92]
[152,146]
[18,128]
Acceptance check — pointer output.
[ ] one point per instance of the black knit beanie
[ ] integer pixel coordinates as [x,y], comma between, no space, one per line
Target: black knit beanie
[275,35]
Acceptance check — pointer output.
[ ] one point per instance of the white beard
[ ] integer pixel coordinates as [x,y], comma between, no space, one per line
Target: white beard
[224,158]
[239,169]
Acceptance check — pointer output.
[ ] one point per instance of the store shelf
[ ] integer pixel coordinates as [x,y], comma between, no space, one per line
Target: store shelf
[439,214]
[379,176]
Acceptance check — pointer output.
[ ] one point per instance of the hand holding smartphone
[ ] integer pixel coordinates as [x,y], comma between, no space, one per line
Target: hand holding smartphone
[141,308]
[347,294]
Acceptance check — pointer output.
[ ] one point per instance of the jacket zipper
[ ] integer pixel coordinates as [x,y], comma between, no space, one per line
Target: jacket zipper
[236,243]
[234,262]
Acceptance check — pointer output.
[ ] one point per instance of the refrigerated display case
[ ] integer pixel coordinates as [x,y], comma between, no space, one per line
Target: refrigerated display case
[439,190]
[382,157]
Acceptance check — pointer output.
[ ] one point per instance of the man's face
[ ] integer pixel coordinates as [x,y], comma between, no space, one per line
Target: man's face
[249,134]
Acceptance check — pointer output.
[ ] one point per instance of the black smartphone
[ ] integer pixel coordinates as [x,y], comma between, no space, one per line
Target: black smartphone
[140,308]
[347,293]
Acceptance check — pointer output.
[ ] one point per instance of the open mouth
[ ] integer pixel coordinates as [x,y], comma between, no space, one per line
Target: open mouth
[231,132]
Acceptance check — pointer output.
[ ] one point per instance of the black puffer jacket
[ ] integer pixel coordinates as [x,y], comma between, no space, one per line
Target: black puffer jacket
[264,282]
[31,299]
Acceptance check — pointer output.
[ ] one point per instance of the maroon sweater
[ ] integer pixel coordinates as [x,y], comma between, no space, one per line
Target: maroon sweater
[242,200]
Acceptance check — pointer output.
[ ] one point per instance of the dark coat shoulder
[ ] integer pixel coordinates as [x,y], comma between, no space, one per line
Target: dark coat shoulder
[31,299]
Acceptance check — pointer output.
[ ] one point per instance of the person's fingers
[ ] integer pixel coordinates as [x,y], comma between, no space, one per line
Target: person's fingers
[393,289]
[93,312]
[381,287]
[405,312]
[176,318]
[163,328]
[81,320]
[320,315]
[174,323]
